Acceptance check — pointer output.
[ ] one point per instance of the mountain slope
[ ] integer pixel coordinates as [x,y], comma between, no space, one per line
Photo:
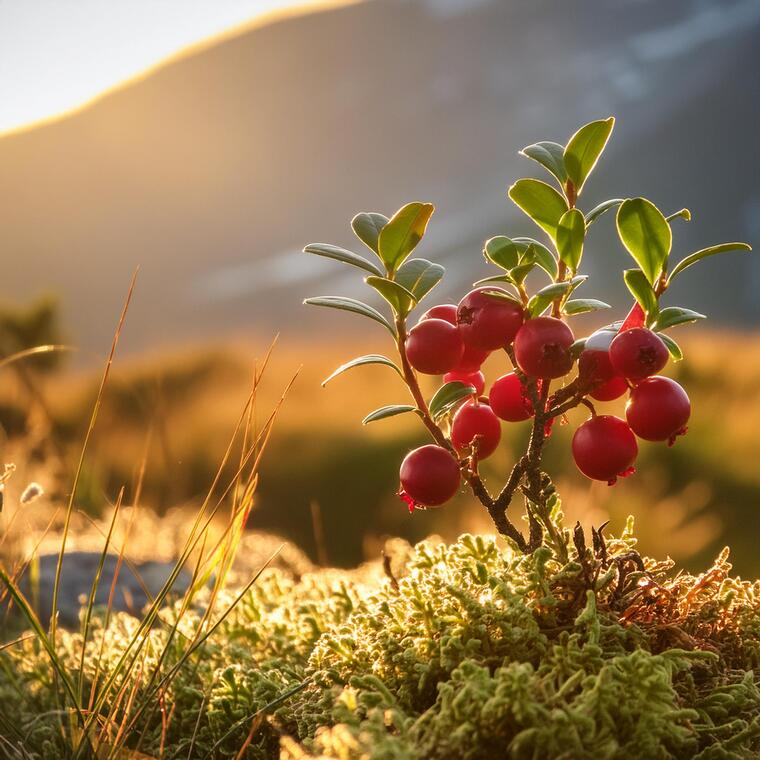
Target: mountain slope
[214,171]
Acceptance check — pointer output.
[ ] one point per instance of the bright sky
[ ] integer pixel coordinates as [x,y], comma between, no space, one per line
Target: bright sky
[58,54]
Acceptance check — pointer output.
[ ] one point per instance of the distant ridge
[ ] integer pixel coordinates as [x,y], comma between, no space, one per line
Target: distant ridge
[214,170]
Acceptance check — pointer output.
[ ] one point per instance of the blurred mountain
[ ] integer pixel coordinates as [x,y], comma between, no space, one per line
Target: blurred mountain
[213,171]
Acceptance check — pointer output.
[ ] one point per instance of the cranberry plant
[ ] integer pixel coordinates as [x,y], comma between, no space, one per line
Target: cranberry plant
[549,371]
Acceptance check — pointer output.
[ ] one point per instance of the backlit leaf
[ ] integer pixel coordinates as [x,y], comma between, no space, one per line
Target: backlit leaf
[388,411]
[367,226]
[360,361]
[541,202]
[571,233]
[645,233]
[351,304]
[402,233]
[448,395]
[550,155]
[642,291]
[584,148]
[693,258]
[343,255]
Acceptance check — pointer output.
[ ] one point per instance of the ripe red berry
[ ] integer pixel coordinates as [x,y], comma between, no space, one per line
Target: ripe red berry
[595,368]
[638,353]
[487,321]
[429,476]
[445,311]
[434,347]
[476,379]
[476,426]
[542,347]
[604,447]
[509,400]
[658,409]
[472,359]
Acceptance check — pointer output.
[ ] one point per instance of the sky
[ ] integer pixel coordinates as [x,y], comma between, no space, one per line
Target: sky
[56,55]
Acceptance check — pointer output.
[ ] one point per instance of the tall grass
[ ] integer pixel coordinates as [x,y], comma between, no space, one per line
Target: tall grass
[105,707]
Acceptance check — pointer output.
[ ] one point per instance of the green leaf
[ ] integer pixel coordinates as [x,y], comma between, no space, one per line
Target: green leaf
[495,278]
[343,255]
[584,148]
[550,155]
[571,232]
[684,214]
[693,258]
[671,316]
[351,304]
[367,226]
[645,233]
[402,233]
[541,300]
[419,276]
[388,411]
[544,257]
[541,202]
[360,361]
[642,291]
[584,305]
[673,348]
[400,299]
[602,208]
[447,395]
[502,251]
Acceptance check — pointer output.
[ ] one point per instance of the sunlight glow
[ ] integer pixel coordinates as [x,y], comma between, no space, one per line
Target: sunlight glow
[56,55]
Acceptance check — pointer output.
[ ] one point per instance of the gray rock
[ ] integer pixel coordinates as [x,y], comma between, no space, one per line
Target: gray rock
[77,575]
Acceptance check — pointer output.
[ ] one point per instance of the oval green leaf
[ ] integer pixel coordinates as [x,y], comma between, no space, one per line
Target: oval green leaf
[642,291]
[671,316]
[550,155]
[544,297]
[343,255]
[388,411]
[367,226]
[673,348]
[446,396]
[541,202]
[402,233]
[602,208]
[502,251]
[351,304]
[400,299]
[693,258]
[543,256]
[645,234]
[419,276]
[584,305]
[584,148]
[571,232]
[360,361]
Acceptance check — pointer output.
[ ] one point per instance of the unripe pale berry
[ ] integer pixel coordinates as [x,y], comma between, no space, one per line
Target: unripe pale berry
[604,447]
[429,476]
[595,369]
[638,353]
[509,400]
[542,348]
[434,347]
[476,379]
[658,409]
[445,311]
[487,321]
[475,426]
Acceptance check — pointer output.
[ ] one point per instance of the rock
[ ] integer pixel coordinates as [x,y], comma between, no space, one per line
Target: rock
[77,575]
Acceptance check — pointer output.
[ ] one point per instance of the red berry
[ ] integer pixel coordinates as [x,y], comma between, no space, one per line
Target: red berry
[476,426]
[542,347]
[472,359]
[489,321]
[614,388]
[476,379]
[445,311]
[658,409]
[509,400]
[429,476]
[604,447]
[434,347]
[638,353]
[595,368]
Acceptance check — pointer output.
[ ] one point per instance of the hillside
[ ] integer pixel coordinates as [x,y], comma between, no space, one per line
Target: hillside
[213,171]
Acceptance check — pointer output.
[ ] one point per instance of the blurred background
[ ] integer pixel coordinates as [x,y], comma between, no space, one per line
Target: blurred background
[206,143]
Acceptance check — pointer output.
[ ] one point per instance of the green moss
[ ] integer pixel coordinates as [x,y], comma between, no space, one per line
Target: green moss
[472,652]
